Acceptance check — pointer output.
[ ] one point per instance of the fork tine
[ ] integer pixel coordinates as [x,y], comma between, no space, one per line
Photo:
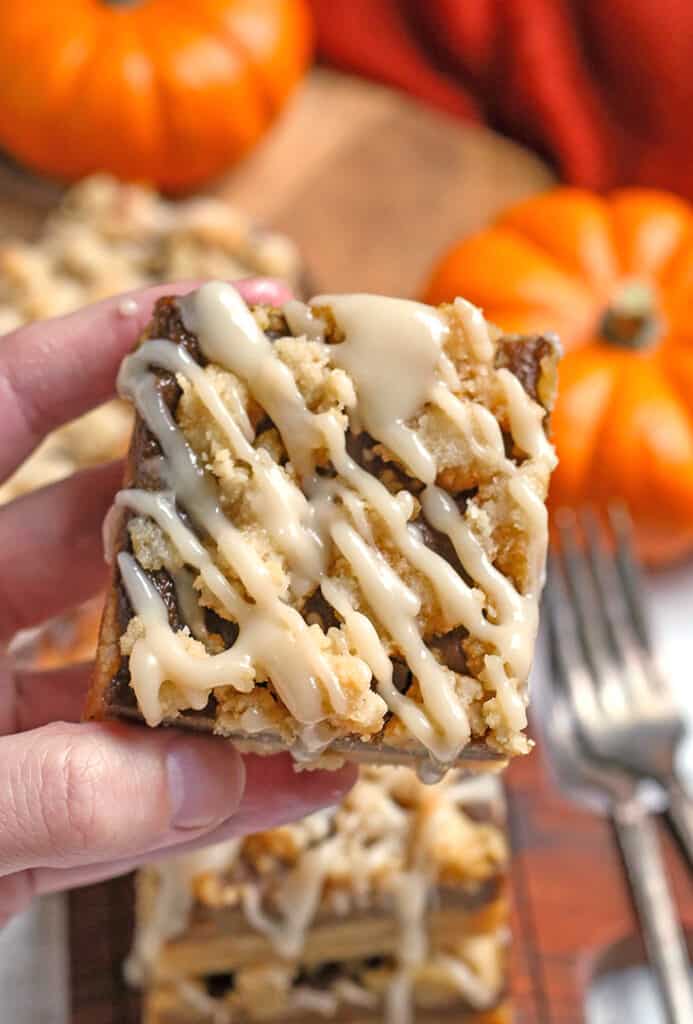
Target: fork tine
[558,656]
[566,651]
[631,576]
[583,590]
[607,585]
[616,611]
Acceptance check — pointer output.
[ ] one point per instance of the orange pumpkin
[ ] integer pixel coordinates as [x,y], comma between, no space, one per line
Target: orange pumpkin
[614,277]
[160,91]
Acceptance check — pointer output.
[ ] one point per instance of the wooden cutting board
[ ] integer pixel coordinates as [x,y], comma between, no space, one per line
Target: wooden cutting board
[373,186]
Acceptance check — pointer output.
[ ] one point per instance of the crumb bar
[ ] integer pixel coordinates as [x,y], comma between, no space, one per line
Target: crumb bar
[333,532]
[392,902]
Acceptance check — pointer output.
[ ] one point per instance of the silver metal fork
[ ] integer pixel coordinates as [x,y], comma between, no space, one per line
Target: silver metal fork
[587,717]
[629,714]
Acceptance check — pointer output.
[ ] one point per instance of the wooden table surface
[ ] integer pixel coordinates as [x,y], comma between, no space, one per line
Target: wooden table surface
[372,186]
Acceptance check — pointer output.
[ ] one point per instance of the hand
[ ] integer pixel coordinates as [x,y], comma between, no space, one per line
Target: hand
[82,802]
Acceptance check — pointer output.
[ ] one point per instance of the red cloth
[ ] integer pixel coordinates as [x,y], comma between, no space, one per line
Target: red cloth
[605,87]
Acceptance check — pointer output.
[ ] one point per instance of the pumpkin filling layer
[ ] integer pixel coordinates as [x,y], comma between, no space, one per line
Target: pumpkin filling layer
[333,534]
[391,901]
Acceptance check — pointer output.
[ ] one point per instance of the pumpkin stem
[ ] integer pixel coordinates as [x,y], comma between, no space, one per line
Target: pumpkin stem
[630,321]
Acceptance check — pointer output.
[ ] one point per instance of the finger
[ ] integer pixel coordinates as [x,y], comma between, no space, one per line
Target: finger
[54,695]
[255,814]
[78,795]
[8,702]
[264,291]
[302,795]
[54,370]
[51,550]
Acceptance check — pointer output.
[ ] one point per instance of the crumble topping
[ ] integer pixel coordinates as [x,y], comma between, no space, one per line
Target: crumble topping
[382,457]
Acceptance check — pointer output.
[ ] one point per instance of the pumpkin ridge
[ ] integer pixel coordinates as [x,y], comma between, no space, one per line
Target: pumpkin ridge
[630,200]
[440,288]
[157,89]
[661,528]
[666,278]
[71,89]
[258,78]
[591,469]
[165,101]
[684,400]
[229,38]
[610,411]
[84,70]
[560,265]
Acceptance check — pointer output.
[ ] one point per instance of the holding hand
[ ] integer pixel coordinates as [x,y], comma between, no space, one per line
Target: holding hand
[83,802]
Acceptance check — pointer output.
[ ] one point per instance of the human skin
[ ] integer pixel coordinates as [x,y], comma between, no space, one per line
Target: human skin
[81,802]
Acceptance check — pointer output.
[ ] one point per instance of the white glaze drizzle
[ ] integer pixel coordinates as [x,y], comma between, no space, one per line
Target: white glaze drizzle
[392,350]
[381,334]
[476,992]
[169,909]
[411,894]
[276,634]
[302,321]
[526,419]
[361,839]
[476,329]
[188,601]
[230,337]
[297,902]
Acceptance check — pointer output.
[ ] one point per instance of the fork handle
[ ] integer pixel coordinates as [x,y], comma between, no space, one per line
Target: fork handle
[680,816]
[664,940]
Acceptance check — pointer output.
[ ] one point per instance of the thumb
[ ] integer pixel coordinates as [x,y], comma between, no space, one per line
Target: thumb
[82,794]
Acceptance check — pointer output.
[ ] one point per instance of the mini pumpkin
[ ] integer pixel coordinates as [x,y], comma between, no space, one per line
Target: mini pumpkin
[614,277]
[159,91]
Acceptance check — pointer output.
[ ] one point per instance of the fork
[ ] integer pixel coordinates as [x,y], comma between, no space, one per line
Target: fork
[631,715]
[585,694]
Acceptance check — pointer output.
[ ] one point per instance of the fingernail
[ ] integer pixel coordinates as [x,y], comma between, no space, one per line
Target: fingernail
[206,779]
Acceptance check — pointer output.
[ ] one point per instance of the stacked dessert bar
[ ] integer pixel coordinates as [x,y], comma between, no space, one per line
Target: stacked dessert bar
[331,541]
[390,907]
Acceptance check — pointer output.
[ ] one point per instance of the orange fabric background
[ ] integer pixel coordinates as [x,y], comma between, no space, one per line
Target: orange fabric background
[603,87]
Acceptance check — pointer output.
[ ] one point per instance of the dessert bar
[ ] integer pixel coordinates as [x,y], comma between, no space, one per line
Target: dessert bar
[332,534]
[391,904]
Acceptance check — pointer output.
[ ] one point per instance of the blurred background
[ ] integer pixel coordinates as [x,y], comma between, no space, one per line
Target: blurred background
[533,156]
